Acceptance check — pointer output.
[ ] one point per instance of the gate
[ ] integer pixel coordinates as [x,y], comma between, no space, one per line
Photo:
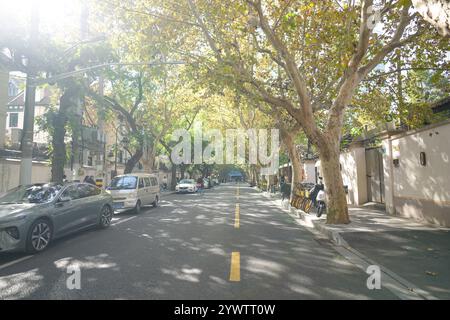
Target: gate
[375,175]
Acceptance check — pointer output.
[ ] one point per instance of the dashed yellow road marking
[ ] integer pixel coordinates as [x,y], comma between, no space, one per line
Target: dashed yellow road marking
[235,269]
[237,216]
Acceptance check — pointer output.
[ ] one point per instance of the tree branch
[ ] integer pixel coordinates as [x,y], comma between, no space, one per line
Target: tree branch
[140,95]
[395,42]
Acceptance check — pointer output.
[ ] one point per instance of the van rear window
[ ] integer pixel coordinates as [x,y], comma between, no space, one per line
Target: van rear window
[126,182]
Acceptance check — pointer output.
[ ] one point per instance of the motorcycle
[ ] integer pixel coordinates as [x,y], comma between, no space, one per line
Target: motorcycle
[318,197]
[320,203]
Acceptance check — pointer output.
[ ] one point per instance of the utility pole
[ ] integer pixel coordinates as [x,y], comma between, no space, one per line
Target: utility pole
[77,133]
[30,101]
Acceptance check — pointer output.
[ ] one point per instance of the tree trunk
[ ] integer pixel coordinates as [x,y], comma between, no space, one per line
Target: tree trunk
[173,180]
[149,161]
[182,170]
[337,209]
[294,156]
[253,174]
[131,163]
[59,133]
[76,150]
[256,173]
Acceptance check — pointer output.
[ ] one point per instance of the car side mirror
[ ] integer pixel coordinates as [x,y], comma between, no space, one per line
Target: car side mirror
[64,199]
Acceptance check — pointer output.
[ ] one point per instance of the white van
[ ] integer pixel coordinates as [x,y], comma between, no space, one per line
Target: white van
[134,190]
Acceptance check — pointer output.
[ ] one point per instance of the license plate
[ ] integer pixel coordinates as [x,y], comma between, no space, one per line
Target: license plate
[118,205]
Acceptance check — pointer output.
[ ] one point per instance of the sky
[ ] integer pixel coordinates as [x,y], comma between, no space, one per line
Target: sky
[58,18]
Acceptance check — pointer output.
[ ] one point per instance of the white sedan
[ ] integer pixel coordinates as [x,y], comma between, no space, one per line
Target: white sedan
[186,185]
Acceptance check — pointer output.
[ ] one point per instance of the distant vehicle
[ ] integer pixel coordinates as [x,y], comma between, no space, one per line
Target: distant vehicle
[186,186]
[133,191]
[34,215]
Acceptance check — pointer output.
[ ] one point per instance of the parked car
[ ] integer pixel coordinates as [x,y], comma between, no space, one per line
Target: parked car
[34,215]
[133,191]
[186,185]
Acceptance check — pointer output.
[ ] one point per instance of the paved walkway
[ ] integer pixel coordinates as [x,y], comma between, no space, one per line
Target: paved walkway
[417,253]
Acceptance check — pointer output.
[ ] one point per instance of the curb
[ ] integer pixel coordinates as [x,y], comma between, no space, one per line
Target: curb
[332,235]
[399,286]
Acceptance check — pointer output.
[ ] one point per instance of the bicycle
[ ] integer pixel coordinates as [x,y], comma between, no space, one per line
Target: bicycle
[299,196]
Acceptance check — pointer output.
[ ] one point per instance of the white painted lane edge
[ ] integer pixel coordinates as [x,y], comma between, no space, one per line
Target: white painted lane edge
[122,221]
[9,264]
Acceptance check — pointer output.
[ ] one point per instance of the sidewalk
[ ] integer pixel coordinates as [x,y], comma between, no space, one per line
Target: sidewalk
[416,254]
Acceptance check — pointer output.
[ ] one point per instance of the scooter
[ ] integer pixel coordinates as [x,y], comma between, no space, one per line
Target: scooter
[320,203]
[319,197]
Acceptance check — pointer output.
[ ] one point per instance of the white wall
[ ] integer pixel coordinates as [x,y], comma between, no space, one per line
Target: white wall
[354,174]
[10,172]
[431,181]
[417,191]
[39,136]
[309,169]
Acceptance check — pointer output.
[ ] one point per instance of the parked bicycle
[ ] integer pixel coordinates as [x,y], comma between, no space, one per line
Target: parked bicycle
[300,196]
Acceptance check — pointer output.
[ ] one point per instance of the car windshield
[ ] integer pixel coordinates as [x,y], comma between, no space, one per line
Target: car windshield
[38,193]
[124,182]
[187,181]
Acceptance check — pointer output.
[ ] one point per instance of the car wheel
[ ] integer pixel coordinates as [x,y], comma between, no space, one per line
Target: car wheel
[155,203]
[39,236]
[106,214]
[137,208]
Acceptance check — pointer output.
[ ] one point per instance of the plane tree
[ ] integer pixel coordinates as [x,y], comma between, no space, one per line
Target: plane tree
[318,52]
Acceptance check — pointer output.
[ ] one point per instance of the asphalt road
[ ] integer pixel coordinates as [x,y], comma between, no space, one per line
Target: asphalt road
[194,246]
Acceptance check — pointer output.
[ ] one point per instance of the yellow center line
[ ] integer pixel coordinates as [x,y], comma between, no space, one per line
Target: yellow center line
[237,217]
[235,269]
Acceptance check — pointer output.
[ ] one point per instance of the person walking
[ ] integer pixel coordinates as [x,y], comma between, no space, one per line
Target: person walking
[200,186]
[91,180]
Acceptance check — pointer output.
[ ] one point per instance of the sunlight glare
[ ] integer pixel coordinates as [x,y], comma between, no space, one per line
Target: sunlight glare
[56,17]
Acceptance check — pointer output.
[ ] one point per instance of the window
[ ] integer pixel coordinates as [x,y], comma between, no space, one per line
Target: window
[147,182]
[141,183]
[12,90]
[71,192]
[37,193]
[124,182]
[88,190]
[154,182]
[90,161]
[13,120]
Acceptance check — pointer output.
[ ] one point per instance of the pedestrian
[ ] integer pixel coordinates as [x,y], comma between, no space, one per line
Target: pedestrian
[91,180]
[200,185]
